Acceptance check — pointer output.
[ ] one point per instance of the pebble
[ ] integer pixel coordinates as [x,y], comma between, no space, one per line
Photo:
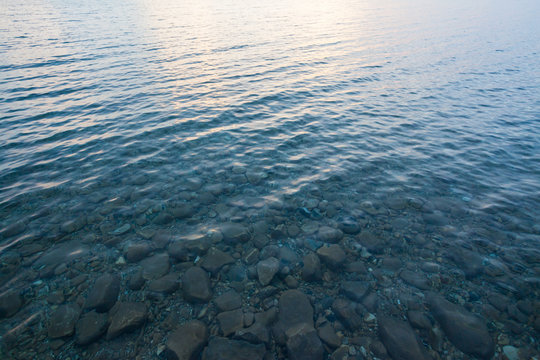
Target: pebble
[511,352]
[196,285]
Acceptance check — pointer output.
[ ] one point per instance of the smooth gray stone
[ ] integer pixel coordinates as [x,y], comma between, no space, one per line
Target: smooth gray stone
[187,341]
[196,285]
[465,330]
[400,339]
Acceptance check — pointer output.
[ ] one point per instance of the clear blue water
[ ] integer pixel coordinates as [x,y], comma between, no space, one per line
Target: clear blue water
[420,120]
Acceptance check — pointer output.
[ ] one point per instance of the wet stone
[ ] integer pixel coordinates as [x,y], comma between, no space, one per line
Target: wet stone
[13,229]
[136,280]
[62,321]
[311,271]
[222,348]
[342,353]
[10,302]
[400,339]
[328,335]
[234,233]
[182,211]
[215,259]
[163,218]
[355,290]
[126,317]
[231,321]
[415,279]
[304,344]
[229,300]
[294,309]
[329,235]
[104,293]
[137,252]
[155,266]
[73,225]
[90,327]
[349,225]
[166,284]
[333,256]
[187,341]
[196,285]
[345,310]
[266,269]
[257,333]
[465,330]
[419,320]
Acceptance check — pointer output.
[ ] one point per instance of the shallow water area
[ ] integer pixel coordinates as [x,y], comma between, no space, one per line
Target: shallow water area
[303,180]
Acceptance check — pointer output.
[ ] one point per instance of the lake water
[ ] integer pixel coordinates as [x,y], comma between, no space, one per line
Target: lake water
[336,169]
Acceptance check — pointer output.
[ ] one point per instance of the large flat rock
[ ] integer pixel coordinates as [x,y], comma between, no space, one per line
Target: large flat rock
[465,330]
[187,341]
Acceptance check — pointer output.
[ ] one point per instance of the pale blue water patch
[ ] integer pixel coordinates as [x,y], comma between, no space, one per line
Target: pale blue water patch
[417,119]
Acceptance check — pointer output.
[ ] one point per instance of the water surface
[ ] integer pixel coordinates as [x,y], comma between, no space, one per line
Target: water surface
[415,123]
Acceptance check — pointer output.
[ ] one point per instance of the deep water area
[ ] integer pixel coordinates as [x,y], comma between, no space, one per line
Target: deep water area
[269,179]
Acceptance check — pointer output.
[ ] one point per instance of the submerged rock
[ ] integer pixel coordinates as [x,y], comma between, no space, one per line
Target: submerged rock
[222,348]
[400,339]
[10,303]
[229,300]
[345,310]
[333,256]
[196,285]
[465,330]
[234,233]
[104,293]
[155,266]
[187,341]
[266,269]
[126,317]
[90,327]
[231,321]
[62,321]
[294,310]
[215,259]
[304,344]
[355,290]
[311,271]
[329,234]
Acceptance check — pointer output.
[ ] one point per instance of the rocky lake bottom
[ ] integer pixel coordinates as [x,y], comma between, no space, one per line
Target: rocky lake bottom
[221,273]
